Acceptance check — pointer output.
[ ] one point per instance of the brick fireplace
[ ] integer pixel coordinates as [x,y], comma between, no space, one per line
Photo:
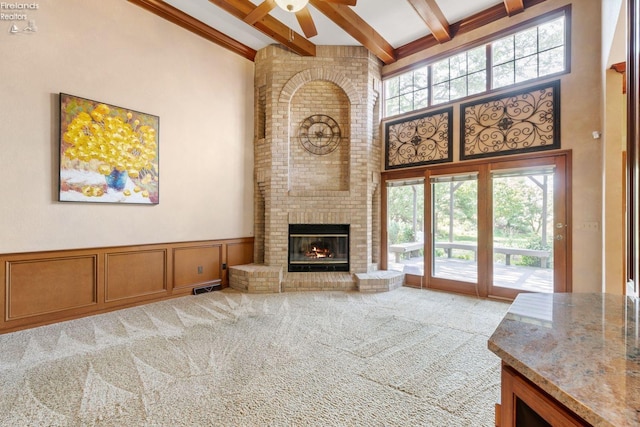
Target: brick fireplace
[317,158]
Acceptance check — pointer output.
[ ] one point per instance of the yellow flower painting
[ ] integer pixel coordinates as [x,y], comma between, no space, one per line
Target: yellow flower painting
[107,153]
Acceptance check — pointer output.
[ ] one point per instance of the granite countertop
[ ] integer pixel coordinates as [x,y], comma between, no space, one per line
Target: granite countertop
[582,349]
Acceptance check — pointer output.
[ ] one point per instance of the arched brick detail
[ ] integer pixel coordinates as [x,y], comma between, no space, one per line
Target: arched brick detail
[312,74]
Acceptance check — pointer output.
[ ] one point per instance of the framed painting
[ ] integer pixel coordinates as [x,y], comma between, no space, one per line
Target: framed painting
[516,122]
[108,154]
[419,140]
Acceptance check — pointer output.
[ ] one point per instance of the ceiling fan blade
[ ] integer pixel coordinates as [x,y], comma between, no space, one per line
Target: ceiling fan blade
[260,12]
[345,2]
[306,22]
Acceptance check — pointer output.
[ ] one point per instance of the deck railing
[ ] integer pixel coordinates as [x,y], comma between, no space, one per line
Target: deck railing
[399,249]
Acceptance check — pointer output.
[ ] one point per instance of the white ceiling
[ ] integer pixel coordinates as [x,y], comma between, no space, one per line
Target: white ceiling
[395,20]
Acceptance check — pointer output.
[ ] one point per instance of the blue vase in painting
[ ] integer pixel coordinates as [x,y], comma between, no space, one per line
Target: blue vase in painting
[116,179]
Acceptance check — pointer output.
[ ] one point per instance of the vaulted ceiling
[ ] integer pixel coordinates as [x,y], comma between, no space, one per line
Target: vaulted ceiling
[390,29]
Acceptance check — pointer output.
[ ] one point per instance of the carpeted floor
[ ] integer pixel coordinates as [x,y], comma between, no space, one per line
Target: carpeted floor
[403,358]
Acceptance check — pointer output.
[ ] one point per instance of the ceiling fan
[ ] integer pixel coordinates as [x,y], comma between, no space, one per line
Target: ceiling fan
[299,7]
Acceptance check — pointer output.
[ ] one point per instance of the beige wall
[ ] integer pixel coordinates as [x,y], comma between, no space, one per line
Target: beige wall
[613,145]
[118,53]
[580,114]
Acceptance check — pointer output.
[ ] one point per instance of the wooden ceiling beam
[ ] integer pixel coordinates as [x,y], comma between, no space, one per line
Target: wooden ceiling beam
[270,26]
[434,18]
[357,28]
[463,26]
[621,67]
[171,14]
[260,11]
[513,6]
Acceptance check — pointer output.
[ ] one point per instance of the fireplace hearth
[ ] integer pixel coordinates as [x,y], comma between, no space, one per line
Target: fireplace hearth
[318,247]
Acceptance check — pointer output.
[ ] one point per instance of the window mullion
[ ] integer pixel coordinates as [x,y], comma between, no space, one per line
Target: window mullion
[449,81]
[538,51]
[430,84]
[466,73]
[414,91]
[513,76]
[489,66]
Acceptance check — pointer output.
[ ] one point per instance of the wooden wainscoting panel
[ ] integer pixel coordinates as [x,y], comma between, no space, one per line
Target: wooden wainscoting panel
[41,286]
[135,274]
[50,286]
[194,266]
[239,253]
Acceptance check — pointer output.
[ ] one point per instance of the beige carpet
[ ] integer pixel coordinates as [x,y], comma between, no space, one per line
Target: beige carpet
[401,358]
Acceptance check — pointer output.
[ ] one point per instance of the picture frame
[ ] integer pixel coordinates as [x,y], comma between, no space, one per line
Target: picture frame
[107,154]
[516,122]
[418,140]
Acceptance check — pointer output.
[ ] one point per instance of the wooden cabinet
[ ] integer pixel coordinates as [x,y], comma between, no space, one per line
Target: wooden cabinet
[526,405]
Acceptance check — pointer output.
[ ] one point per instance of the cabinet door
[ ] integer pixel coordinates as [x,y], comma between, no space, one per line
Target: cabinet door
[524,404]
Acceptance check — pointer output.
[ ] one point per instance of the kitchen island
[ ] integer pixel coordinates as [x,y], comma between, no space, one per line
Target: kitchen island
[569,359]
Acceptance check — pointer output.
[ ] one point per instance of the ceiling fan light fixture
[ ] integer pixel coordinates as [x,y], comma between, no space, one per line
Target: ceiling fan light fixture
[291,5]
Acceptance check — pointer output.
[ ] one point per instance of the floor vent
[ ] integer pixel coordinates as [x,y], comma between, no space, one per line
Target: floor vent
[216,286]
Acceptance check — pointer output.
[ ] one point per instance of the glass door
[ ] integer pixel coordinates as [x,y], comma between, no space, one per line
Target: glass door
[405,226]
[522,219]
[528,227]
[498,228]
[454,238]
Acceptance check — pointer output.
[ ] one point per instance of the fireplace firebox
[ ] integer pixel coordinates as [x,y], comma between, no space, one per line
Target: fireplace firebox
[318,247]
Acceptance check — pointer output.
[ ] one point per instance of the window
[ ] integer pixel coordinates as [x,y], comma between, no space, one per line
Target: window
[460,75]
[529,54]
[535,50]
[407,92]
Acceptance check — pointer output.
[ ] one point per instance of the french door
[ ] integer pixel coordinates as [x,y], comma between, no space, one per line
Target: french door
[498,228]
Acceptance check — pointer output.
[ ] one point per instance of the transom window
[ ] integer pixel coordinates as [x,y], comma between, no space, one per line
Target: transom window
[407,92]
[529,54]
[459,75]
[537,51]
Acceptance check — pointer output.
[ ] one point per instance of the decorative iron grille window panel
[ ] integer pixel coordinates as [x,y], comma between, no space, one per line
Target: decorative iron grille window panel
[511,123]
[419,140]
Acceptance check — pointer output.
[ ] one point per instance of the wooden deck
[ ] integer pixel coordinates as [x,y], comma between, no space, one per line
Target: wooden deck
[531,279]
